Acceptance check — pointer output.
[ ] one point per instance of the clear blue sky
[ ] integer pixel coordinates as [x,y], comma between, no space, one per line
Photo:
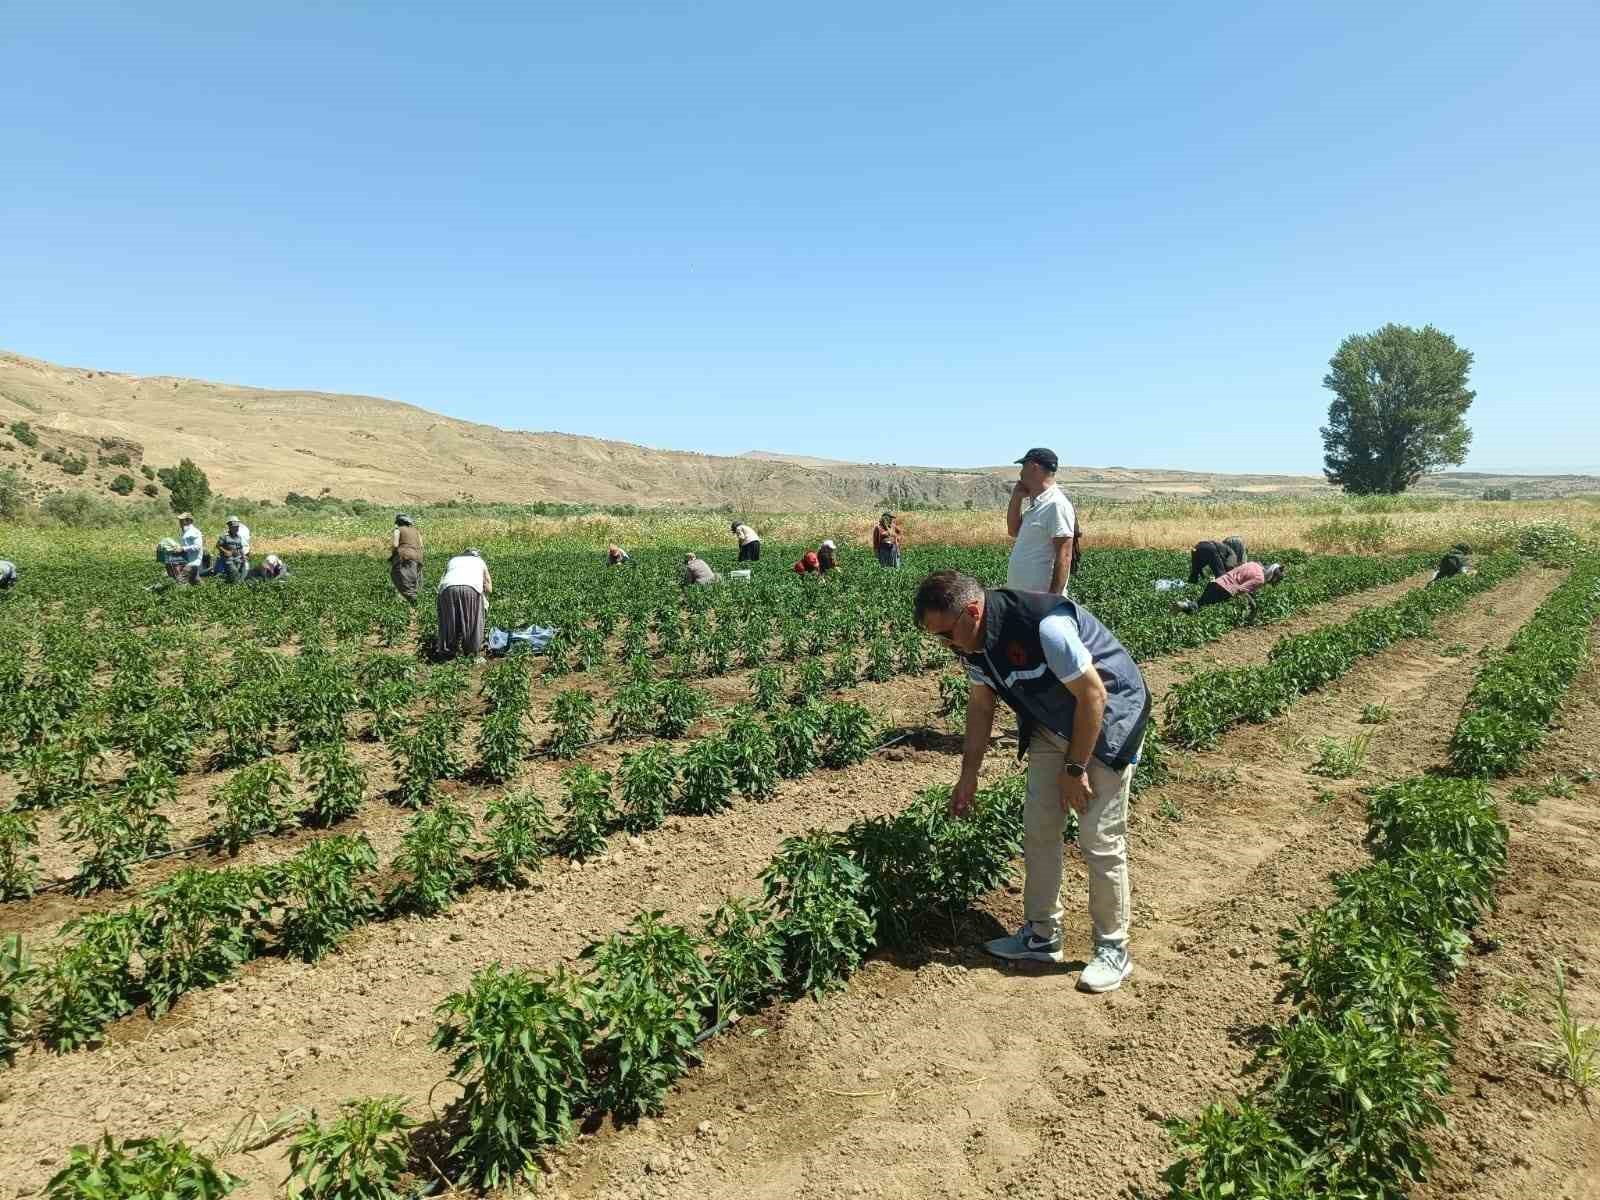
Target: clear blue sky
[913,232]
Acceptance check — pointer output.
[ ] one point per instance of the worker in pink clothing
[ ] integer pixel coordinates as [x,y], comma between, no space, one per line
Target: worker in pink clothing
[1244,580]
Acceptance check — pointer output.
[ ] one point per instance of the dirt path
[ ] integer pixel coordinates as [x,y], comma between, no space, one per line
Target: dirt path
[957,1077]
[287,1035]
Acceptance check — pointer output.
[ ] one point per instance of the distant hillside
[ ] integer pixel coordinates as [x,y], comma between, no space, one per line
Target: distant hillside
[263,444]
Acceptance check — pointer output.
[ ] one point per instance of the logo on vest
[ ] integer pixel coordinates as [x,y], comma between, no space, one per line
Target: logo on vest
[1016,654]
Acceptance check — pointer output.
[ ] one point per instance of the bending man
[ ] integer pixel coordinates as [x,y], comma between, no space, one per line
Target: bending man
[1081,707]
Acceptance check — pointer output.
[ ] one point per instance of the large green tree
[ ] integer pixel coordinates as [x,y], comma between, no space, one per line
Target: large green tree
[1399,398]
[188,485]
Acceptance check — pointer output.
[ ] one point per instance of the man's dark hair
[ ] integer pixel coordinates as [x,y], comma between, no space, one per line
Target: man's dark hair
[944,591]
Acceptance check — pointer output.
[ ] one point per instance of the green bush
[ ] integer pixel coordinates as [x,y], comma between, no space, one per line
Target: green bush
[360,1156]
[518,1042]
[322,894]
[24,433]
[519,832]
[158,1168]
[196,932]
[433,857]
[122,485]
[819,896]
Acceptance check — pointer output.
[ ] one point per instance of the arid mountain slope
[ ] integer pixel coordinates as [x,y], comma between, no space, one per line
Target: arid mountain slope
[257,443]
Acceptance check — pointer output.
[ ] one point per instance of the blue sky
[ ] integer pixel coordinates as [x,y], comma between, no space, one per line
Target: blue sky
[924,233]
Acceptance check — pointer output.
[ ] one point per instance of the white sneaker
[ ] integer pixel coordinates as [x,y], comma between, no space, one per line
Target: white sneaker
[1106,970]
[1024,944]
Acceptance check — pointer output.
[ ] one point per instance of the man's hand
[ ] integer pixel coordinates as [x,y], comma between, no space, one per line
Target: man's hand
[1019,490]
[966,790]
[1075,793]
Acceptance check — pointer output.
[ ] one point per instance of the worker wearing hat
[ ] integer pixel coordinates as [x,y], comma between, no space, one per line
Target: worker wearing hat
[1041,519]
[193,543]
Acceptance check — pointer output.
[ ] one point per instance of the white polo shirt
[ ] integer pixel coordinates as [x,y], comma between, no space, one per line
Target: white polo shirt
[194,544]
[1033,556]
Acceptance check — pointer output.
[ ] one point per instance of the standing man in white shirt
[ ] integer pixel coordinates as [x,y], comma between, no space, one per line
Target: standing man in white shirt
[194,546]
[1041,519]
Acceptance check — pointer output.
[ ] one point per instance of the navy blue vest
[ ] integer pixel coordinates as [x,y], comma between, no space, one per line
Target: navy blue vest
[1012,662]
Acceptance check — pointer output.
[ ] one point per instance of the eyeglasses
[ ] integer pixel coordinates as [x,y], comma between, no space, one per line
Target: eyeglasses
[947,636]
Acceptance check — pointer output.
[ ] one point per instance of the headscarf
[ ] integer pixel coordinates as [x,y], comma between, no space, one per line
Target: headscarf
[402,519]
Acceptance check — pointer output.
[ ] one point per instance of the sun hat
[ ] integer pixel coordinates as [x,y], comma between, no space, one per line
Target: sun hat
[274,561]
[1046,458]
[1274,572]
[185,516]
[232,521]
[828,545]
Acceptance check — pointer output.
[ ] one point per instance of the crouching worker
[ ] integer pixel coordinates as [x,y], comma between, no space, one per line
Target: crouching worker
[1081,707]
[269,569]
[230,562]
[1453,563]
[1217,557]
[463,606]
[1244,580]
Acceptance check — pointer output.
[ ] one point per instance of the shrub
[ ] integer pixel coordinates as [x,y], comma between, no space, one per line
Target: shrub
[705,778]
[188,485]
[433,854]
[794,736]
[17,974]
[74,464]
[678,706]
[259,799]
[746,962]
[633,710]
[518,1041]
[847,734]
[322,894]
[519,831]
[337,782]
[24,433]
[121,827]
[122,485]
[360,1156]
[158,1168]
[195,933]
[88,984]
[429,754]
[19,865]
[753,756]
[648,989]
[503,740]
[819,897]
[150,489]
[767,687]
[572,713]
[647,777]
[587,805]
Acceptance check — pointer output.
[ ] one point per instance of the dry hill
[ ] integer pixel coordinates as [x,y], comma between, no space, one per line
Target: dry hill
[253,442]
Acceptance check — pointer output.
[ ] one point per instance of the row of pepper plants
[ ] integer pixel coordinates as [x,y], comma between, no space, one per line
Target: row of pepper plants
[1517,694]
[1203,708]
[196,928]
[1353,1081]
[534,1052]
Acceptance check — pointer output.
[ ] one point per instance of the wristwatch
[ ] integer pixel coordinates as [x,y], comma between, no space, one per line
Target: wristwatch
[1076,769]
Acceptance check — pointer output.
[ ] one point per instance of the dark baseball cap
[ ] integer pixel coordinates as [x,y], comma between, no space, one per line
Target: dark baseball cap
[1045,458]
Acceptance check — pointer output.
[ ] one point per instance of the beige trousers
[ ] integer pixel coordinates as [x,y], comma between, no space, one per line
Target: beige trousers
[1102,839]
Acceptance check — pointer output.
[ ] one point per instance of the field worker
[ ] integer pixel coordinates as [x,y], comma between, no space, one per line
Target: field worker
[809,564]
[1081,707]
[193,544]
[229,562]
[1453,563]
[1041,519]
[886,539]
[8,574]
[616,556]
[463,606]
[696,570]
[1244,580]
[241,531]
[405,558]
[749,542]
[1217,557]
[826,560]
[270,569]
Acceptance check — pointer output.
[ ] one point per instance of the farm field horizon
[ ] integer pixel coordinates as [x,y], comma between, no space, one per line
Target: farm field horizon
[269,838]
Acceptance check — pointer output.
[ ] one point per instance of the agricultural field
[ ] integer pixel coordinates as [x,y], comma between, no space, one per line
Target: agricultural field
[675,908]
